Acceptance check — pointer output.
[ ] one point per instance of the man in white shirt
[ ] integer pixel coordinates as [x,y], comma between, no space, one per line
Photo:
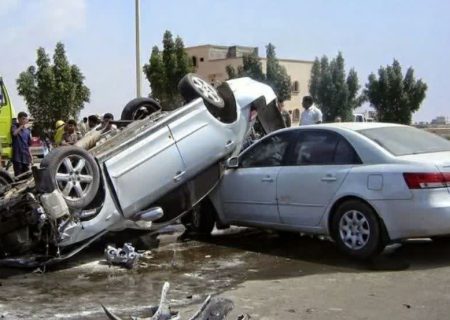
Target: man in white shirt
[312,114]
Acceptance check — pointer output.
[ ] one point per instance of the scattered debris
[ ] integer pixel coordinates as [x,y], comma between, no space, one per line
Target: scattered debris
[211,309]
[125,256]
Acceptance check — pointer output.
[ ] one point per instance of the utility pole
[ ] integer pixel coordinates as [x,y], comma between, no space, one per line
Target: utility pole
[138,49]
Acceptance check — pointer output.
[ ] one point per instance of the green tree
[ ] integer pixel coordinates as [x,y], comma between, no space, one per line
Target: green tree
[165,69]
[155,73]
[251,67]
[276,75]
[53,92]
[183,63]
[231,72]
[394,97]
[333,91]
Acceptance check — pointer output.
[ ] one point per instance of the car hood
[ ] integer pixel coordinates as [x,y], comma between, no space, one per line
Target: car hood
[247,91]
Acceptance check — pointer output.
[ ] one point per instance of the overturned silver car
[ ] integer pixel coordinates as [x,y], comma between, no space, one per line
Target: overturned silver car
[145,175]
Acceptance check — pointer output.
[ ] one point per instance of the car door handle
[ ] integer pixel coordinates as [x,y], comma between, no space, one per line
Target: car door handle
[329,178]
[267,179]
[178,176]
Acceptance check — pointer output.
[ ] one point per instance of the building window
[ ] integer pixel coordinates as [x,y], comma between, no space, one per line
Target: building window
[295,87]
[296,116]
[194,61]
[201,59]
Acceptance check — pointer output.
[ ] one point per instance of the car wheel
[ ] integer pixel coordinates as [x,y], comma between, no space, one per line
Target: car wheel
[140,108]
[74,172]
[191,87]
[201,218]
[5,180]
[356,229]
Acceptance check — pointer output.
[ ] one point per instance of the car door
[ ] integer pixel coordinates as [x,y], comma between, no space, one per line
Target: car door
[316,168]
[147,169]
[248,193]
[201,139]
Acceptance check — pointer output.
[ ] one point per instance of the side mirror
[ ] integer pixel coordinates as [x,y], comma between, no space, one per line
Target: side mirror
[233,162]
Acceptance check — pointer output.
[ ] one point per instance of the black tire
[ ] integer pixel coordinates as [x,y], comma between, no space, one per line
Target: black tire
[5,181]
[5,177]
[84,175]
[364,232]
[140,108]
[201,219]
[191,87]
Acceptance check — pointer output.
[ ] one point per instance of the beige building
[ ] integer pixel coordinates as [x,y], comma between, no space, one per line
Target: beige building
[211,61]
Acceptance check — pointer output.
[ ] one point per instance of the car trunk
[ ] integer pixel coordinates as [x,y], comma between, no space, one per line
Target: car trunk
[440,159]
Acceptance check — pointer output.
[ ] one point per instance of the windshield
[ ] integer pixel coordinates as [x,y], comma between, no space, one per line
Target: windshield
[401,141]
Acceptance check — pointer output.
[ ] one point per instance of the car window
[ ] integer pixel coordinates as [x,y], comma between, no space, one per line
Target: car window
[345,154]
[269,152]
[314,147]
[404,140]
[321,147]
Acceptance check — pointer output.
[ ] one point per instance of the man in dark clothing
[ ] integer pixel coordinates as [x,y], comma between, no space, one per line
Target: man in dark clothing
[21,141]
[93,121]
[286,116]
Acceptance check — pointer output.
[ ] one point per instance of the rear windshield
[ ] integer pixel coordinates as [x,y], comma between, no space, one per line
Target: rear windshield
[401,141]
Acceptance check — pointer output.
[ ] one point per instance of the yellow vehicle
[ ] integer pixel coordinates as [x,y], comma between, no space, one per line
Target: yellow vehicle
[6,118]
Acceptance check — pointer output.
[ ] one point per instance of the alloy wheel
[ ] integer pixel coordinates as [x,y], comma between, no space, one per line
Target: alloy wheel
[74,177]
[206,89]
[354,229]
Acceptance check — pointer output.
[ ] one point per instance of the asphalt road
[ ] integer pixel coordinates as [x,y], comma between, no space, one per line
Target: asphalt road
[266,276]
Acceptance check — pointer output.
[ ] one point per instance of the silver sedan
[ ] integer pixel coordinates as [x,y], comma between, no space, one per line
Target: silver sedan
[363,184]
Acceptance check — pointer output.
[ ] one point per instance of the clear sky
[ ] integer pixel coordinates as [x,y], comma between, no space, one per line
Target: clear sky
[99,38]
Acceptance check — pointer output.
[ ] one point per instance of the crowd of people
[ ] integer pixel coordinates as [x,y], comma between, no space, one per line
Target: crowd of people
[66,133]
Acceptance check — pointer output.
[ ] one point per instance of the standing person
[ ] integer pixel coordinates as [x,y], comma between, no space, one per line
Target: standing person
[93,121]
[21,141]
[70,136]
[82,126]
[106,123]
[312,114]
[59,132]
[284,114]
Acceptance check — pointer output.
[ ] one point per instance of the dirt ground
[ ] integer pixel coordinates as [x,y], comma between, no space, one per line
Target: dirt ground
[265,275]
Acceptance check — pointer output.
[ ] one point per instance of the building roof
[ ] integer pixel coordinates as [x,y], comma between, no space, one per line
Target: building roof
[218,46]
[244,47]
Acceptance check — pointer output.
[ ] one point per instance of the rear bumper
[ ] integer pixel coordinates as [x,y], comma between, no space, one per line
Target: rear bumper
[426,215]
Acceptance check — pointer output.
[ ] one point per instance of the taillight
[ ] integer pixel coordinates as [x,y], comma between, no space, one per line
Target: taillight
[427,180]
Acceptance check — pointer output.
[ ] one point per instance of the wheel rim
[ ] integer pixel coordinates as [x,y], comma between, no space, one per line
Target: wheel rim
[74,177]
[354,229]
[206,89]
[140,113]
